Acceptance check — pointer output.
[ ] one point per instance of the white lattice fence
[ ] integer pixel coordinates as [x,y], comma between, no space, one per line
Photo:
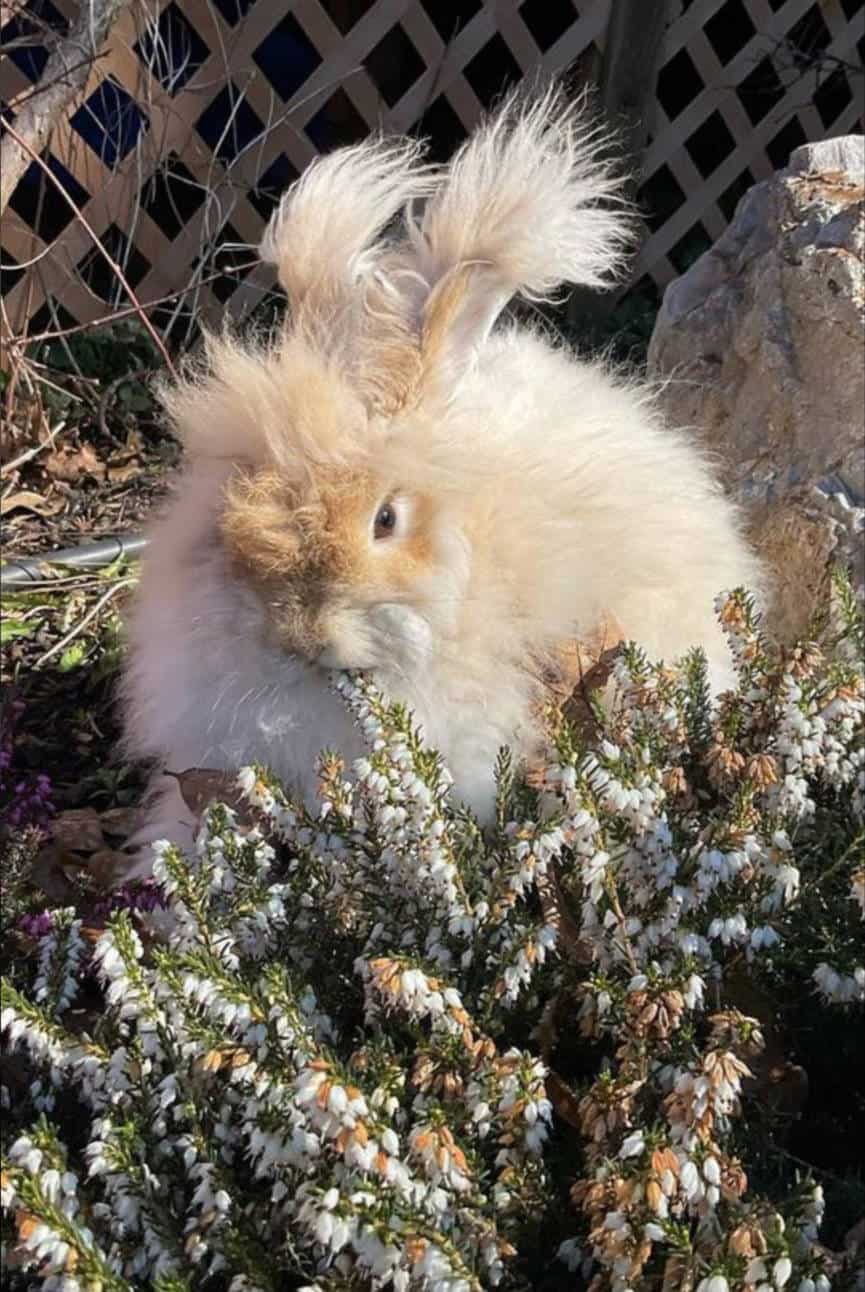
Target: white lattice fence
[202,111]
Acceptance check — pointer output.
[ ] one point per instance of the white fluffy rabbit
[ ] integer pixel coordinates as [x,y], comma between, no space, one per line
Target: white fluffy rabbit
[396,484]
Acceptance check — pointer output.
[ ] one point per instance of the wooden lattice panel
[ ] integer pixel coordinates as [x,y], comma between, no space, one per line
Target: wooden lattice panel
[202,111]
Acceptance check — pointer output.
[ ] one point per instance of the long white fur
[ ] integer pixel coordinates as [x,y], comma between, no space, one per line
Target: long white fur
[530,201]
[322,236]
[561,495]
[529,195]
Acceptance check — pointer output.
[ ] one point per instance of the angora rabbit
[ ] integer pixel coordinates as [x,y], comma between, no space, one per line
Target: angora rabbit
[396,484]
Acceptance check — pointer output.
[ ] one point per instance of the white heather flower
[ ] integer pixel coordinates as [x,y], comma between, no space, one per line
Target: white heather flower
[763,937]
[714,1283]
[781,1271]
[633,1146]
[838,988]
[690,1180]
[694,992]
[570,1253]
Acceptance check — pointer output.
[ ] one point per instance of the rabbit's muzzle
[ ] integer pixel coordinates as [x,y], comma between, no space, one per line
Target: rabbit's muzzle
[336,634]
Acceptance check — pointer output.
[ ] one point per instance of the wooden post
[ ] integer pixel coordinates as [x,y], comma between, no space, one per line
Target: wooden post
[629,72]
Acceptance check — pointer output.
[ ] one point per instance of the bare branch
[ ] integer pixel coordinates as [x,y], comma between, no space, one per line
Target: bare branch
[121,277]
[65,75]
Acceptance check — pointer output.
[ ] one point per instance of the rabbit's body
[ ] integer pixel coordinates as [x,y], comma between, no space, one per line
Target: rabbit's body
[394,486]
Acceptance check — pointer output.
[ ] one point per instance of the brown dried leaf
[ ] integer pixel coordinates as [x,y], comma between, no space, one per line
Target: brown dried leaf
[108,867]
[27,500]
[581,667]
[71,464]
[678,1276]
[120,474]
[78,829]
[50,873]
[784,1088]
[775,1081]
[563,1099]
[119,821]
[201,786]
[546,1031]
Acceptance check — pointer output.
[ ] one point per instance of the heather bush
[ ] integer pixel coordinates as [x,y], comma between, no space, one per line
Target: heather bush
[373,1046]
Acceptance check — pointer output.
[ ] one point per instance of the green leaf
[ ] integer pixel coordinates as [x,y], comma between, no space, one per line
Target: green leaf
[72,657]
[11,628]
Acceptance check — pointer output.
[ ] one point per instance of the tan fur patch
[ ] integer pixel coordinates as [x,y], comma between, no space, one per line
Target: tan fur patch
[387,367]
[254,525]
[308,548]
[444,304]
[403,560]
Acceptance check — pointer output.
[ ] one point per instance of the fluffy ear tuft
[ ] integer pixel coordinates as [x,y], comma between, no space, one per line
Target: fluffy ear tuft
[531,200]
[321,237]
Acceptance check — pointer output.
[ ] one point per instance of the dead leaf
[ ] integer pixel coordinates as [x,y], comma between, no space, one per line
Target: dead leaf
[109,867]
[92,933]
[776,1082]
[678,1276]
[119,821]
[581,667]
[546,1030]
[786,1088]
[201,786]
[563,1099]
[78,829]
[49,874]
[27,500]
[134,440]
[120,474]
[71,464]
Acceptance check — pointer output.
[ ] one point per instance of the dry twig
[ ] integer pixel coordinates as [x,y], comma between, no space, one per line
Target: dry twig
[121,277]
[8,467]
[65,74]
[82,624]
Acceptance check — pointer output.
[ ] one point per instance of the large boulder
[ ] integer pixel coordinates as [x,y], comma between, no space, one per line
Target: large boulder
[761,346]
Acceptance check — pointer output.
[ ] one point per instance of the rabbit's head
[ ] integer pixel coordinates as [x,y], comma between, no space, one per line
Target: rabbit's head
[353,496]
[354,569]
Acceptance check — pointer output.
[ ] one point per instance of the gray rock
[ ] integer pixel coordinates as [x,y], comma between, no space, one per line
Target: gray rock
[761,346]
[847,153]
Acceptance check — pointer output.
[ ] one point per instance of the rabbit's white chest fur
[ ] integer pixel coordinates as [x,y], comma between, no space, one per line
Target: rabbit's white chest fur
[221,696]
[205,689]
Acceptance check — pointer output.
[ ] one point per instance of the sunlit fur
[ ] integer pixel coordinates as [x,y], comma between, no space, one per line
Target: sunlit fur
[535,493]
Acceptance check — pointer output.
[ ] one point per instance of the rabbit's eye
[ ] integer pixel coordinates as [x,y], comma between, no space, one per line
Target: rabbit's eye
[385,521]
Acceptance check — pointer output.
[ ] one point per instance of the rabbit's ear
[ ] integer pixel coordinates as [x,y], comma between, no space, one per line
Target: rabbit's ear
[322,236]
[530,201]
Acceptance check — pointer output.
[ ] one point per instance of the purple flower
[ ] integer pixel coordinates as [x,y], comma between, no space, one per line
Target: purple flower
[37,924]
[28,799]
[139,895]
